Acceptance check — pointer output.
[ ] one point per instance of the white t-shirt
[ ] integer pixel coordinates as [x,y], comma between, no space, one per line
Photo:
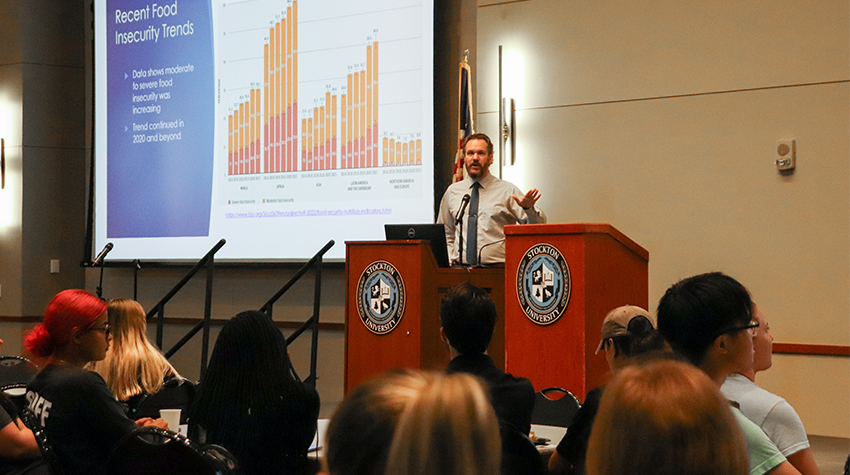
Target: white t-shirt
[770,412]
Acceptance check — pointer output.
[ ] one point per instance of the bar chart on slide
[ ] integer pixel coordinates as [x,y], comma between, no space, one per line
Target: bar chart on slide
[317,90]
[261,126]
[275,124]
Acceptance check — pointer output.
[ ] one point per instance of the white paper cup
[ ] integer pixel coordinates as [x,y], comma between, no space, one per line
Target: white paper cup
[172,417]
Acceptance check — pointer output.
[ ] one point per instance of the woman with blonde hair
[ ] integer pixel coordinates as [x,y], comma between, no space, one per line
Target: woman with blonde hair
[665,418]
[450,428]
[361,430]
[134,368]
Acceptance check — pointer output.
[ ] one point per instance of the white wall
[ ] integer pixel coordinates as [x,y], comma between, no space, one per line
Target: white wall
[42,94]
[662,118]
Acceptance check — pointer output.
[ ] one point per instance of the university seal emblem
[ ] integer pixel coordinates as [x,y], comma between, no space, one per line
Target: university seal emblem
[543,284]
[380,297]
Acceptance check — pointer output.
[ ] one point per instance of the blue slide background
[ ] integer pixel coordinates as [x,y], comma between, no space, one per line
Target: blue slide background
[161,189]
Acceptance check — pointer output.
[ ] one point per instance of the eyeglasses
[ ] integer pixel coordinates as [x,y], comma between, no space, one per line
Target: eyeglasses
[104,329]
[750,326]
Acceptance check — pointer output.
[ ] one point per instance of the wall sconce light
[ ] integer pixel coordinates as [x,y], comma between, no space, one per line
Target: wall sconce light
[508,135]
[507,124]
[2,164]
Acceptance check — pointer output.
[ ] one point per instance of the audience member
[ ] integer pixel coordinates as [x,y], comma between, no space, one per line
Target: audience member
[134,368]
[665,418]
[19,453]
[708,319]
[627,331]
[81,417]
[361,430]
[251,402]
[468,319]
[770,412]
[448,429]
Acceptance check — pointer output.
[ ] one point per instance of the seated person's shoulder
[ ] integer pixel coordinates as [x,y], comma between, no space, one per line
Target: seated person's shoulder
[304,399]
[764,455]
[594,396]
[519,381]
[67,378]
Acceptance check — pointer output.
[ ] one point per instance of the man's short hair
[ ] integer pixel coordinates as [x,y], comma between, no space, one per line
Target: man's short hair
[479,136]
[468,317]
[695,311]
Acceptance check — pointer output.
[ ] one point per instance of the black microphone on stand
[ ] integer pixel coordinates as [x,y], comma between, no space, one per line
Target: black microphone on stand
[98,262]
[100,257]
[459,222]
[463,203]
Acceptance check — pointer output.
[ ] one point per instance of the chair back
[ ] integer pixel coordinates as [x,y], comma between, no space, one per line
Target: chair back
[174,394]
[551,410]
[222,459]
[150,450]
[519,455]
[16,372]
[31,421]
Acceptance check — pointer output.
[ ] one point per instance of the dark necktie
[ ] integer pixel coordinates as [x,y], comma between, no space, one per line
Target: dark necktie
[472,224]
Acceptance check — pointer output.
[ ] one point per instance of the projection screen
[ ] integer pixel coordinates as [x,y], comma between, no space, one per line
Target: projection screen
[276,125]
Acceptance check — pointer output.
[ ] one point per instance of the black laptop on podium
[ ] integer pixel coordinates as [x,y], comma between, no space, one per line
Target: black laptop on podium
[435,233]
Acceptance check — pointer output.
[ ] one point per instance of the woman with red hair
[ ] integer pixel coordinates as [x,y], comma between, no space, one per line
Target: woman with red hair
[79,414]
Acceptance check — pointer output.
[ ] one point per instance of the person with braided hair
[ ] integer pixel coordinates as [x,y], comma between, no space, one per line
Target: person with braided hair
[251,402]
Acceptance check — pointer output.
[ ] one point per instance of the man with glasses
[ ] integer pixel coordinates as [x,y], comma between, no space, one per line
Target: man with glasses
[770,412]
[708,319]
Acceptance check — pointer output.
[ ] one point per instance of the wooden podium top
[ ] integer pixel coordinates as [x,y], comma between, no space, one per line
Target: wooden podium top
[577,228]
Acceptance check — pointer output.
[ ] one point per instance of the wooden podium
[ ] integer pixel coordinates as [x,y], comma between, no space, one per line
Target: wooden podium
[415,340]
[606,269]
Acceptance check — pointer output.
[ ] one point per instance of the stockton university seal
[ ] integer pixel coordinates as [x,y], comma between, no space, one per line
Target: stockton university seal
[380,297]
[543,284]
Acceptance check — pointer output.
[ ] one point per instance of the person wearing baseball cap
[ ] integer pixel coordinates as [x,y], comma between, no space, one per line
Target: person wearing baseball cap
[627,331]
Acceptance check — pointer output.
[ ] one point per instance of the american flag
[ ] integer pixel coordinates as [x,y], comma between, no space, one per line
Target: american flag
[465,123]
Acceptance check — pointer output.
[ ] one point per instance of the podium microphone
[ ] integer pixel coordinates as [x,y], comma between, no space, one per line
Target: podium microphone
[100,257]
[463,203]
[482,250]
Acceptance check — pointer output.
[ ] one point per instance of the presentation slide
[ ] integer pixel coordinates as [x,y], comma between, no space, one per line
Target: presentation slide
[276,125]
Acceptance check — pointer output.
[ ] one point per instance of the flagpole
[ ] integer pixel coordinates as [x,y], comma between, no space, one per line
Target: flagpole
[466,124]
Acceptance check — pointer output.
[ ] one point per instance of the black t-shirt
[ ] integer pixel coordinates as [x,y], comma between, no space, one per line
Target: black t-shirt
[573,447]
[512,397]
[80,416]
